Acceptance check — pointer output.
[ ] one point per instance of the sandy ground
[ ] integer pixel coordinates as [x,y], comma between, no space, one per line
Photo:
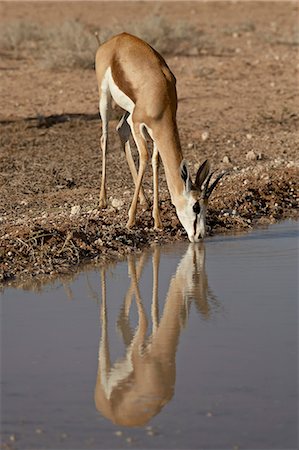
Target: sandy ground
[238,106]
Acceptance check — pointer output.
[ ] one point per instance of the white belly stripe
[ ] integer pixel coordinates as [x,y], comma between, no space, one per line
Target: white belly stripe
[118,96]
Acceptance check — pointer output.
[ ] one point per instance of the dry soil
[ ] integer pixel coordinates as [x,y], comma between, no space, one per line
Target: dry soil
[238,106]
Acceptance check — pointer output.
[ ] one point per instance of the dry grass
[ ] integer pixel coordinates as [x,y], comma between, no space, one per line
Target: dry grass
[73,45]
[70,45]
[16,35]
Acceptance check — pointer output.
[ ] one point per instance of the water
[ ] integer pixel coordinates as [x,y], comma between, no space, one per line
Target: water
[185,347]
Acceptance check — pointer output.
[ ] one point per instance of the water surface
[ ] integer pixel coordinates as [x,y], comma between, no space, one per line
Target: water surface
[184,347]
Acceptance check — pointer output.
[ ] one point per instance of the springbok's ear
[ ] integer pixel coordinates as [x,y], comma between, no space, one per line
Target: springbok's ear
[202,174]
[185,176]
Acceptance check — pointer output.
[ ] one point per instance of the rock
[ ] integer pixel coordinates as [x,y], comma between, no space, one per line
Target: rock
[205,135]
[249,136]
[117,203]
[75,211]
[226,159]
[251,156]
[193,51]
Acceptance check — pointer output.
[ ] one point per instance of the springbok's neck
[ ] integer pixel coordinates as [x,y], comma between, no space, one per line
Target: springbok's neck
[169,147]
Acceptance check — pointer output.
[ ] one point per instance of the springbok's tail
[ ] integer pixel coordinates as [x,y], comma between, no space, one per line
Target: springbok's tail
[97,37]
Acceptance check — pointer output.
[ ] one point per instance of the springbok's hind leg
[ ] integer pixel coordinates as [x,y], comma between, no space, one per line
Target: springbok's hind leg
[124,132]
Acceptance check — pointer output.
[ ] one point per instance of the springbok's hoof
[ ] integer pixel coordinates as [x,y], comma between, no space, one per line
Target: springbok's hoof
[130,224]
[158,226]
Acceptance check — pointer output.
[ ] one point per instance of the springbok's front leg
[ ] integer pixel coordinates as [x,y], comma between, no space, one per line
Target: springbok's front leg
[156,211]
[124,132]
[143,158]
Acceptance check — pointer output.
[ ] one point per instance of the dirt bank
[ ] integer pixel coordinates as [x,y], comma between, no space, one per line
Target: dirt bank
[238,97]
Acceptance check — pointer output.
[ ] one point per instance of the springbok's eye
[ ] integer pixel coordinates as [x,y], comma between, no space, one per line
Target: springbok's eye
[196,208]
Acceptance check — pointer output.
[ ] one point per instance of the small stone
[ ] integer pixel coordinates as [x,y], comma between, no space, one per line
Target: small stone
[251,156]
[75,211]
[193,51]
[190,145]
[226,159]
[117,203]
[205,135]
[249,136]
[118,433]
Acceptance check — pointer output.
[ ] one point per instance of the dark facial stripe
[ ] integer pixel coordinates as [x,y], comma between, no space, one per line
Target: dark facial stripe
[194,225]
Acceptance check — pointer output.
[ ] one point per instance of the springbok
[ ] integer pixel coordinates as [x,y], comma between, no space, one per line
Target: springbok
[137,78]
[134,389]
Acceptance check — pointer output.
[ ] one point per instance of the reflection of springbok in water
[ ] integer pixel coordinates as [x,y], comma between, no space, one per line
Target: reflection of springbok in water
[134,389]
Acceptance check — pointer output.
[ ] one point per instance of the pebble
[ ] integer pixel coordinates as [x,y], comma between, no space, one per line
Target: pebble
[75,211]
[226,159]
[251,156]
[205,135]
[117,203]
[193,51]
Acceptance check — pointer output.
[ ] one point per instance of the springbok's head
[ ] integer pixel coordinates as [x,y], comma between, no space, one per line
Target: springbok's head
[191,210]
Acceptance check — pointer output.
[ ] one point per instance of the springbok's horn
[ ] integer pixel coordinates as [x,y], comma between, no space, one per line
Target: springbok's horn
[209,189]
[206,185]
